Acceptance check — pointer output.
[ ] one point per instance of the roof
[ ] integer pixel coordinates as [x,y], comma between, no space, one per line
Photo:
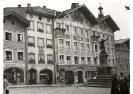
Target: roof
[121,41]
[110,22]
[35,10]
[18,17]
[84,10]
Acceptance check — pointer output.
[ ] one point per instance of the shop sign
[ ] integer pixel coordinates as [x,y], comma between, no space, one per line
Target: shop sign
[13,64]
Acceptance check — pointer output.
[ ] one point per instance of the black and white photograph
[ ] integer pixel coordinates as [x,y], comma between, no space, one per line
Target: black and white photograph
[65,48]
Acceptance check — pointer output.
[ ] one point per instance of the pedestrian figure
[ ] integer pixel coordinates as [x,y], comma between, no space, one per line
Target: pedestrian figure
[123,84]
[115,85]
[6,83]
[49,81]
[126,88]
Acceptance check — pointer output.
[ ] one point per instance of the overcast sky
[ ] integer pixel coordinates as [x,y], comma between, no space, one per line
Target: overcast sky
[117,11]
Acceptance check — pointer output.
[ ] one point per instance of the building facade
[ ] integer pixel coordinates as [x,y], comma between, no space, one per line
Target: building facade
[39,43]
[122,47]
[15,31]
[78,49]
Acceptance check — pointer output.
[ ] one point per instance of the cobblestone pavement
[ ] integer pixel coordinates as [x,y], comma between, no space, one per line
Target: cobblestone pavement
[60,90]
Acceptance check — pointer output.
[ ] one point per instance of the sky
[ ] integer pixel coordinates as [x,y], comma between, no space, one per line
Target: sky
[116,10]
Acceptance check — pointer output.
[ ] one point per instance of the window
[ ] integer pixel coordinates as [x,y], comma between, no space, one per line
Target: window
[58,25]
[31,41]
[76,60]
[108,50]
[101,36]
[4,21]
[88,60]
[82,59]
[74,30]
[20,55]
[68,58]
[67,44]
[8,36]
[61,57]
[67,28]
[49,43]
[96,48]
[49,59]
[87,39]
[87,46]
[40,42]
[81,31]
[48,29]
[8,55]
[112,39]
[113,62]
[32,58]
[20,37]
[40,27]
[61,43]
[31,25]
[41,58]
[12,22]
[87,33]
[82,46]
[95,61]
[75,45]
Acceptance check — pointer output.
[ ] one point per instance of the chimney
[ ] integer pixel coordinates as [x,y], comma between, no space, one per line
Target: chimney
[29,6]
[54,12]
[44,7]
[19,6]
[74,5]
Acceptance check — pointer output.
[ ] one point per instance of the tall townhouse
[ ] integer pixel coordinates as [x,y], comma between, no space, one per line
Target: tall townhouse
[122,47]
[40,64]
[77,49]
[14,49]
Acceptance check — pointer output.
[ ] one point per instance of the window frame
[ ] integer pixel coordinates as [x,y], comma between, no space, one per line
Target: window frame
[18,55]
[49,46]
[11,55]
[33,41]
[39,58]
[33,59]
[11,35]
[47,32]
[33,25]
[38,42]
[42,26]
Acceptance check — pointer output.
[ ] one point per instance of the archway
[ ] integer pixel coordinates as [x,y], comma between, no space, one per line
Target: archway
[14,75]
[69,75]
[80,77]
[46,75]
[32,76]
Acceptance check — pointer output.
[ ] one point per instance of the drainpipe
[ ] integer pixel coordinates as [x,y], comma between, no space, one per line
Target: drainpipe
[54,58]
[26,53]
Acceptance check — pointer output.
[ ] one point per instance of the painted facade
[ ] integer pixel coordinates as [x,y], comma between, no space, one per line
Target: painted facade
[78,49]
[14,47]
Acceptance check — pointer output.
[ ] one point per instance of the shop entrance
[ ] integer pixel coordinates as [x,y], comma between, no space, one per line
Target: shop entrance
[69,77]
[32,76]
[80,77]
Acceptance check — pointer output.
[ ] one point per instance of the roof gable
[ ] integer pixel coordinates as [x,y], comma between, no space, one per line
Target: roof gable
[84,10]
[111,23]
[18,17]
[121,41]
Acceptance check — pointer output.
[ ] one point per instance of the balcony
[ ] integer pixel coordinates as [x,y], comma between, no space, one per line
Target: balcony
[41,61]
[40,30]
[32,61]
[95,38]
[50,62]
[49,46]
[31,44]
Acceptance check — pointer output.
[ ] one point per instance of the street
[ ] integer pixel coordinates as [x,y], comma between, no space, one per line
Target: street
[60,90]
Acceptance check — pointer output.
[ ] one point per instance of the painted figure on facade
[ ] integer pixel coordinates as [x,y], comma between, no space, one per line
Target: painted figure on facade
[102,44]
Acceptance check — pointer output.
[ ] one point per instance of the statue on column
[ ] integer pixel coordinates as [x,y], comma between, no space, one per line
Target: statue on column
[102,44]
